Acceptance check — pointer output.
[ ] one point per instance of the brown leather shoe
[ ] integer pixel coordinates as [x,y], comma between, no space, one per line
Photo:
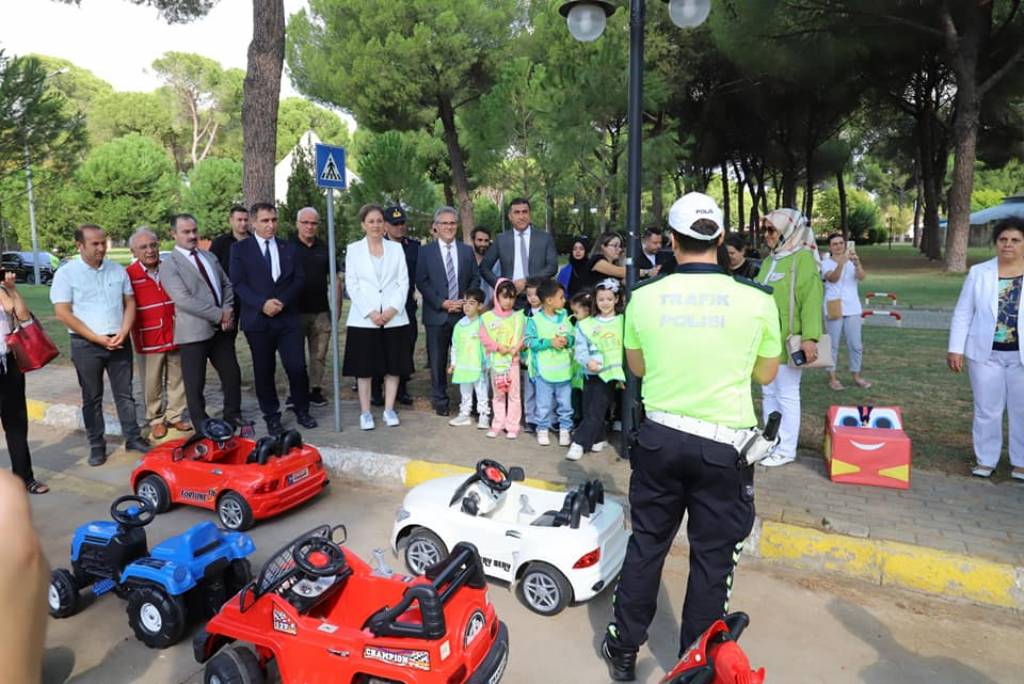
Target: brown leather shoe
[158,431]
[182,426]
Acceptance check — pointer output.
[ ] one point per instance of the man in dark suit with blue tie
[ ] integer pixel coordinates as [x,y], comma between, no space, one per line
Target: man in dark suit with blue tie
[445,269]
[266,276]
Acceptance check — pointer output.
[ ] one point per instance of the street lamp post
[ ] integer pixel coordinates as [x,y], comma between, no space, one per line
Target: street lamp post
[586,20]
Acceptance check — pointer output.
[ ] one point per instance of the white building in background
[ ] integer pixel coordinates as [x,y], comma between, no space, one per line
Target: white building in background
[283,169]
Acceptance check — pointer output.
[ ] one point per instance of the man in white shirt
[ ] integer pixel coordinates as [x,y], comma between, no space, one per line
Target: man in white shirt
[93,297]
[522,252]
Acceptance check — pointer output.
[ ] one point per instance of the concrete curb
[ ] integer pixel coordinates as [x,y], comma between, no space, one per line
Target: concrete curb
[880,561]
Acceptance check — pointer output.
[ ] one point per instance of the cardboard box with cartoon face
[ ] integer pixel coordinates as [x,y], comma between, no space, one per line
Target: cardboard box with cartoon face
[866,445]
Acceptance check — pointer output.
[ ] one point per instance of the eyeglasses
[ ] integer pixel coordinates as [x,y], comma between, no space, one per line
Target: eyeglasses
[447,223]
[309,223]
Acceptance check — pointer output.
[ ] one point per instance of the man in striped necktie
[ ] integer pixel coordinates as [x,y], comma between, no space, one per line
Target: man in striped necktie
[445,269]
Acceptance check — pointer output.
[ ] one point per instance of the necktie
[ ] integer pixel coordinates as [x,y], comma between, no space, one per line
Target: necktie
[206,276]
[449,267]
[524,254]
[266,257]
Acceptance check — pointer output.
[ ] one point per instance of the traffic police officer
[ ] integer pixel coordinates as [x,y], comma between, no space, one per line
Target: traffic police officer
[696,336]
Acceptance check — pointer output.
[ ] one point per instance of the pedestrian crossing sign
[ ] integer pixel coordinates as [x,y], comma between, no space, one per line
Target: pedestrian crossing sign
[330,167]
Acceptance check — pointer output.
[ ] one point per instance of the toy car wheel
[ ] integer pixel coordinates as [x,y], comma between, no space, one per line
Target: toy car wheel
[423,549]
[153,489]
[234,512]
[157,619]
[543,589]
[63,594]
[238,574]
[234,666]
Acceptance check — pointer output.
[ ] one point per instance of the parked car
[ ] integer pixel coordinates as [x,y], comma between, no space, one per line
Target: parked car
[21,263]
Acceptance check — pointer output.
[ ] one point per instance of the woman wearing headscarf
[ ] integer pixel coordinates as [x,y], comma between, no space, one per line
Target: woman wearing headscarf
[792,265]
[575,275]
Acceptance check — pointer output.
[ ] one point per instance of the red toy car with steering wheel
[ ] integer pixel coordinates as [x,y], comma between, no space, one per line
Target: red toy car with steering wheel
[322,614]
[244,480]
[716,657]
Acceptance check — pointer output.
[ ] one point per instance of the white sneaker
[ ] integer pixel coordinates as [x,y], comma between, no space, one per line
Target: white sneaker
[483,422]
[391,419]
[460,420]
[777,460]
[575,452]
[366,421]
[542,437]
[564,438]
[598,446]
[511,435]
[492,434]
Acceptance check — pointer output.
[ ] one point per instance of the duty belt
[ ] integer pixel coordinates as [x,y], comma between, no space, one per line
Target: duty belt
[701,428]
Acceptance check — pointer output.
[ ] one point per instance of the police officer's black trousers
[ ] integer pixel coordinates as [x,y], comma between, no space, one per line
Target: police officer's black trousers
[673,473]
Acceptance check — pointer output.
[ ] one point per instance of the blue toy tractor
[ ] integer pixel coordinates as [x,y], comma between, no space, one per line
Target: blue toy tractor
[185,578]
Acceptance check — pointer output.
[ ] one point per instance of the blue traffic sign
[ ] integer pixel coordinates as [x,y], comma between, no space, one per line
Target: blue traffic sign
[330,166]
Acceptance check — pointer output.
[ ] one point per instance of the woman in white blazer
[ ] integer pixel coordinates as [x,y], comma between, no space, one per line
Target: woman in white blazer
[985,330]
[377,336]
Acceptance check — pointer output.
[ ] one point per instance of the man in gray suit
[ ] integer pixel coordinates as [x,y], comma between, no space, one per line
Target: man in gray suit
[204,318]
[523,252]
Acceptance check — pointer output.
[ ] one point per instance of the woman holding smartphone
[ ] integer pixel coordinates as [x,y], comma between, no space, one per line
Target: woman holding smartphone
[13,407]
[842,271]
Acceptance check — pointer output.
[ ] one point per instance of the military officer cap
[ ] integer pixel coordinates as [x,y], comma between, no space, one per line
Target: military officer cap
[394,215]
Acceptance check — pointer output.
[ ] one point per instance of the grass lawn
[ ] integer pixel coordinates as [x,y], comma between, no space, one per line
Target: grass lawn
[919,283]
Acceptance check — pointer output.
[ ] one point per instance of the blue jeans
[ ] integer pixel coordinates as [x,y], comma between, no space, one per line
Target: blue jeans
[558,394]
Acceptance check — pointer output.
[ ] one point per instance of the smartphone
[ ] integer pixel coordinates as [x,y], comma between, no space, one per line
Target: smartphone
[851,247]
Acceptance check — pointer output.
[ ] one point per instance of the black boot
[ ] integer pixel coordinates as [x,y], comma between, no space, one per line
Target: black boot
[621,660]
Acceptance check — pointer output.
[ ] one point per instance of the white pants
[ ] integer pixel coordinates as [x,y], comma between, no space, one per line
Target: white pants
[850,328]
[998,385]
[783,395]
[483,403]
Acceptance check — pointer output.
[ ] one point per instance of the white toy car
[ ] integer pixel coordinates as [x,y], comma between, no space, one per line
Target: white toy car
[553,547]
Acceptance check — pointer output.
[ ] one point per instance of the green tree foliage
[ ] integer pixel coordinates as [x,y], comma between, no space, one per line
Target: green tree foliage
[391,172]
[296,116]
[125,183]
[209,97]
[403,65]
[35,120]
[213,186]
[302,191]
[174,11]
[115,114]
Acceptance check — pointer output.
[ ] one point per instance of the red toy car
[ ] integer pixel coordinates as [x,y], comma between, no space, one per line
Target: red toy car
[323,615]
[242,479]
[716,657]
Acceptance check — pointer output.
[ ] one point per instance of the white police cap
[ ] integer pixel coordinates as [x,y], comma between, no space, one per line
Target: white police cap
[690,208]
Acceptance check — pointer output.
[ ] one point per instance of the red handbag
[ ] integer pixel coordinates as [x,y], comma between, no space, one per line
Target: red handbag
[31,346]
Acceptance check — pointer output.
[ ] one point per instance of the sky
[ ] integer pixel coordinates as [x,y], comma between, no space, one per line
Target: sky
[117,40]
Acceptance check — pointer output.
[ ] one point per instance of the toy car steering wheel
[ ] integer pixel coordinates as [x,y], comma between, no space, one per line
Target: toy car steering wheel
[318,557]
[139,514]
[493,474]
[217,430]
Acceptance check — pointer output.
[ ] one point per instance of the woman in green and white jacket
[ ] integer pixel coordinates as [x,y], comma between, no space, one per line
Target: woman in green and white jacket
[791,241]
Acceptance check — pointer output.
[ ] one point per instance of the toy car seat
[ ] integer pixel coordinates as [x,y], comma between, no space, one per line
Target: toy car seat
[569,516]
[289,441]
[265,448]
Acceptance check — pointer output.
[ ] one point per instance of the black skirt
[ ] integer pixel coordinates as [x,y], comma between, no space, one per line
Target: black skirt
[371,352]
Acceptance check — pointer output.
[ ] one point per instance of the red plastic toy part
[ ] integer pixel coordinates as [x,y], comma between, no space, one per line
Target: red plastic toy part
[716,657]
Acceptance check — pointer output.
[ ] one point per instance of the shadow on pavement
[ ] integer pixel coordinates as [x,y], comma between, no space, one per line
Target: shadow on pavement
[895,663]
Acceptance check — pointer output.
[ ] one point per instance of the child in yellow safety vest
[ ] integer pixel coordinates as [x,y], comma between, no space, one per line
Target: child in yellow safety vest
[468,364]
[599,353]
[549,337]
[501,333]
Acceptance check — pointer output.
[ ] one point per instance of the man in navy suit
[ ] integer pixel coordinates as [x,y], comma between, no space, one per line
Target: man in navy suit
[445,269]
[267,278]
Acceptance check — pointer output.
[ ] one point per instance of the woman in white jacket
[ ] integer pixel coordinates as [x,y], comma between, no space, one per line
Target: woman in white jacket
[985,330]
[377,333]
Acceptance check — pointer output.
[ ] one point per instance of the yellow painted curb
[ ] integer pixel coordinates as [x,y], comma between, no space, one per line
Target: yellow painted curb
[418,472]
[36,409]
[893,563]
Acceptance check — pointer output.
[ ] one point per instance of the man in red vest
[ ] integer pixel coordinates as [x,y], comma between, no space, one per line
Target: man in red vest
[153,334]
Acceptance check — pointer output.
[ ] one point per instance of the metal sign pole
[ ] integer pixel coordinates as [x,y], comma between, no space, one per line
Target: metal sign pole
[335,308]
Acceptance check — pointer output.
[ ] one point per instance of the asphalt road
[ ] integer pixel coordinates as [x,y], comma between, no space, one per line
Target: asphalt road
[805,628]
